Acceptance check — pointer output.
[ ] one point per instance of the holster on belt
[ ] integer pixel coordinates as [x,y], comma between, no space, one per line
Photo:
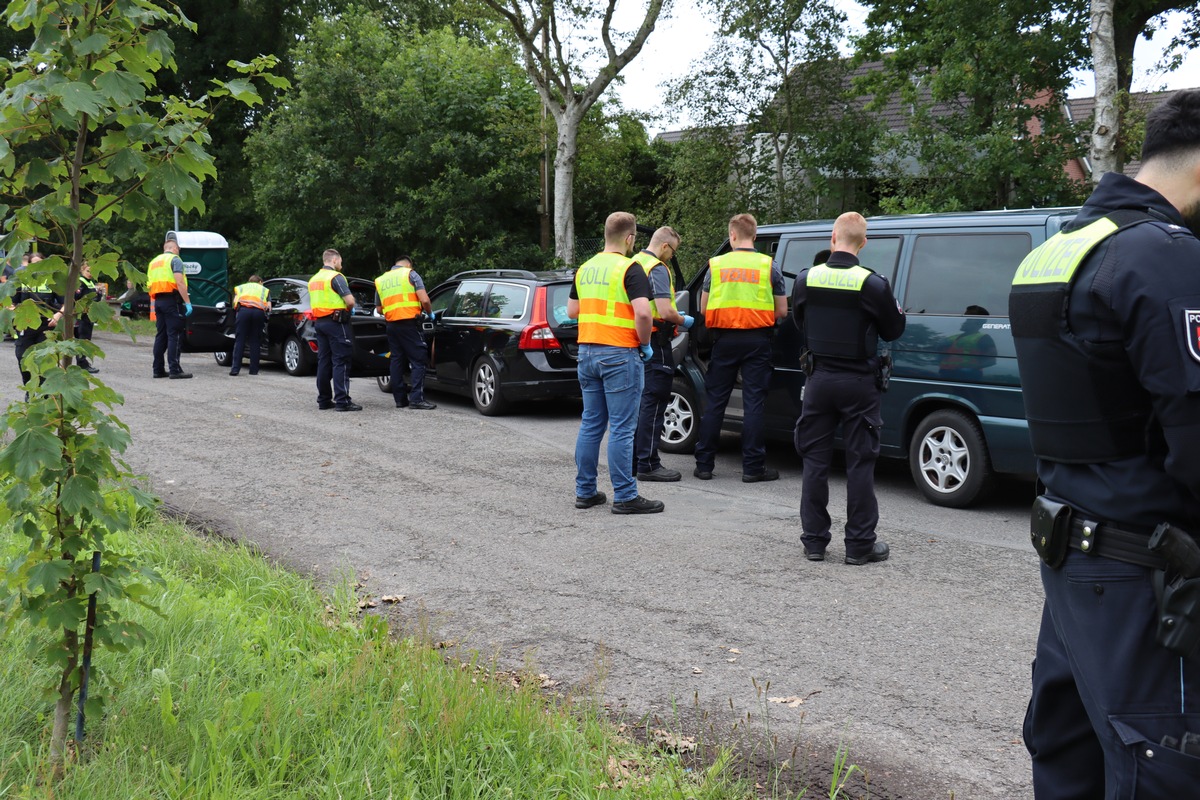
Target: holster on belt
[1177,589]
[1049,530]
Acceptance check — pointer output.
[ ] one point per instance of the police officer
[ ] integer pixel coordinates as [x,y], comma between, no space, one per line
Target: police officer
[331,300]
[660,370]
[169,305]
[611,299]
[251,303]
[1106,320]
[83,323]
[743,298]
[34,288]
[401,294]
[843,309]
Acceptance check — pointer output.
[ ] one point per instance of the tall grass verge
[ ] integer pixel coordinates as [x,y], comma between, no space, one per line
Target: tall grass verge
[256,687]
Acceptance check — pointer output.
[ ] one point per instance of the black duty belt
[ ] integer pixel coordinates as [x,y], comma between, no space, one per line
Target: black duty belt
[1107,541]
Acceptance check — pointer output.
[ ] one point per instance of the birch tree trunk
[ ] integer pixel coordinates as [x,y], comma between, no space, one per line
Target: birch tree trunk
[1106,122]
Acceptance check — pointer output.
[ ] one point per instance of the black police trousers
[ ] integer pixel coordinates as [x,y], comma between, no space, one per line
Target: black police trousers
[335,351]
[852,399]
[248,335]
[747,351]
[656,395]
[26,339]
[168,337]
[408,354]
[1105,693]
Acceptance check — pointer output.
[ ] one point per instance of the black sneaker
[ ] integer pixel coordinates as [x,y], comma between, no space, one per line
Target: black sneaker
[662,475]
[638,505]
[178,376]
[767,474]
[598,499]
[161,375]
[878,552]
[91,370]
[702,474]
[814,555]
[423,405]
[349,407]
[234,372]
[325,406]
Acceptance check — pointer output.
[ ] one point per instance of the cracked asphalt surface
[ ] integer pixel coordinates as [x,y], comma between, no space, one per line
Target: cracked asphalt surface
[920,664]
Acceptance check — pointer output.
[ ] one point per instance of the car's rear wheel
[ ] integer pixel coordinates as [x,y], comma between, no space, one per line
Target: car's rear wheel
[223,358]
[485,388]
[385,383]
[297,359]
[948,459]
[681,425]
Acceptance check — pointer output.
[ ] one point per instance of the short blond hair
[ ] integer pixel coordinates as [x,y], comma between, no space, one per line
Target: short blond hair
[619,225]
[744,225]
[851,229]
[665,235]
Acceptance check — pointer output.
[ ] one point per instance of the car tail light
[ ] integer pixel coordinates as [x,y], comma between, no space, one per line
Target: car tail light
[537,334]
[312,345]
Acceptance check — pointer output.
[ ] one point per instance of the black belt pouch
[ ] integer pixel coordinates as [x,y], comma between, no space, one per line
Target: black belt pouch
[1050,530]
[1178,614]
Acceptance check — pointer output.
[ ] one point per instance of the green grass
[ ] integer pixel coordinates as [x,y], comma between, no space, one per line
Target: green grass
[256,687]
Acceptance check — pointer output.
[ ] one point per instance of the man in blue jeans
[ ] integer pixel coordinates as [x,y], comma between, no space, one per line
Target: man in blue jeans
[611,300]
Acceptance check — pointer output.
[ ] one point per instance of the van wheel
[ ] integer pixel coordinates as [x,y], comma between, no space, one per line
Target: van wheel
[223,358]
[385,383]
[485,388]
[949,460]
[681,425]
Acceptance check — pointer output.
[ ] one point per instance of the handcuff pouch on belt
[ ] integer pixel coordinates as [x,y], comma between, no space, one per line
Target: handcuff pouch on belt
[884,374]
[340,316]
[1050,530]
[807,362]
[1177,589]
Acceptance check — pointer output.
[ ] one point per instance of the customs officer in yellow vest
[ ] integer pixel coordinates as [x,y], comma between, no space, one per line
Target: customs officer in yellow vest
[332,303]
[742,300]
[170,305]
[844,310]
[660,370]
[251,303]
[401,294]
[611,299]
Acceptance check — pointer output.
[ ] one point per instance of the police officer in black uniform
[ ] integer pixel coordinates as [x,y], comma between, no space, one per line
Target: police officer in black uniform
[1106,320]
[31,287]
[843,310]
[83,323]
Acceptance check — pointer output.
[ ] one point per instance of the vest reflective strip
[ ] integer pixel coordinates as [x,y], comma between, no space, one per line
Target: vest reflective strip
[321,297]
[1056,259]
[649,262]
[398,295]
[827,277]
[739,292]
[605,313]
[159,277]
[251,295]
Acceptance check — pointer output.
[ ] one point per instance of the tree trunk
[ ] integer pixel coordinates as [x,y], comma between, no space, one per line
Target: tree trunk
[564,184]
[62,707]
[1106,125]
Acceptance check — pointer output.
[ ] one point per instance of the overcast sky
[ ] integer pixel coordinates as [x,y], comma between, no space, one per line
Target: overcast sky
[679,40]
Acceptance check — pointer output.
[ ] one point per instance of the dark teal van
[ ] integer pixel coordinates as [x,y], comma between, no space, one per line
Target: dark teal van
[953,408]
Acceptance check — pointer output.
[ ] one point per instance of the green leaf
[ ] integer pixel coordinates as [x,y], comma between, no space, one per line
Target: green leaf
[242,90]
[78,493]
[92,45]
[49,574]
[38,172]
[30,452]
[98,582]
[121,88]
[159,44]
[79,98]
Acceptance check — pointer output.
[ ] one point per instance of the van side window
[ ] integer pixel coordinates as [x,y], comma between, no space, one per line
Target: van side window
[879,254]
[953,272]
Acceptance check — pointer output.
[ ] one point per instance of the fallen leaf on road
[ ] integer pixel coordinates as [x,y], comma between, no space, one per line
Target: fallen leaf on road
[673,742]
[392,598]
[367,603]
[697,671]
[445,645]
[792,701]
[735,651]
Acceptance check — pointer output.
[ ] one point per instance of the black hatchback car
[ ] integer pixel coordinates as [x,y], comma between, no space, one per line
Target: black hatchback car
[289,336]
[502,336]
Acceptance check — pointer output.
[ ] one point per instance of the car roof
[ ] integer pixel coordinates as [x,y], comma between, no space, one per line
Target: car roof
[951,219]
[541,276]
[305,278]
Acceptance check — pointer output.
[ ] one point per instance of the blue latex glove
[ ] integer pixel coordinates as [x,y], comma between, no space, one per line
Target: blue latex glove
[688,322]
[187,309]
[647,353]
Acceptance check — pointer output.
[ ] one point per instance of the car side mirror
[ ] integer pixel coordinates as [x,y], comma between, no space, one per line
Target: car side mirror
[221,306]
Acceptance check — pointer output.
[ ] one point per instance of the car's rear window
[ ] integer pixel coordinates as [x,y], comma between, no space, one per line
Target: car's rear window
[556,304]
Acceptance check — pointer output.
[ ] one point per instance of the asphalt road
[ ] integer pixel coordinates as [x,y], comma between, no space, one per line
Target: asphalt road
[701,616]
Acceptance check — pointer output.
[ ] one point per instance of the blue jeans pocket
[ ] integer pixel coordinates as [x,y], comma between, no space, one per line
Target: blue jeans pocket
[1160,770]
[620,372]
